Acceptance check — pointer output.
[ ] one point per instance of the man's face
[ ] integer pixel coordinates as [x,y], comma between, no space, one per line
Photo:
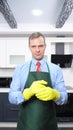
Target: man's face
[37,48]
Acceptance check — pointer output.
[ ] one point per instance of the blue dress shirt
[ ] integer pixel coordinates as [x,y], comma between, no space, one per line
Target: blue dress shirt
[20,76]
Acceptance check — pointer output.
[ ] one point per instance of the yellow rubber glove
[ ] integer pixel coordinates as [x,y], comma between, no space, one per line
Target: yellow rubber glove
[47,93]
[33,89]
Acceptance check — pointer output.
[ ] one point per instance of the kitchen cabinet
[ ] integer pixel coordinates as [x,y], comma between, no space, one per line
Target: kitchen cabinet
[13,50]
[62,47]
[1,109]
[8,112]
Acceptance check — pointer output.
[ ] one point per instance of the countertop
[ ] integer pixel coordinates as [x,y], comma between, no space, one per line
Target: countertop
[5,90]
[14,124]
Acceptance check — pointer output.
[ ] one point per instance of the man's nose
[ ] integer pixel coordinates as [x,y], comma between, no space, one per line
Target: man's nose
[37,49]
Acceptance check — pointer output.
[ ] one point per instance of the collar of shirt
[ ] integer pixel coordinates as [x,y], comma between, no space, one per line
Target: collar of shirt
[42,61]
[43,64]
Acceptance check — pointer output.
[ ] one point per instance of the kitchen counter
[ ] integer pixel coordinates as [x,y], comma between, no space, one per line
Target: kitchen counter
[65,125]
[5,90]
[14,124]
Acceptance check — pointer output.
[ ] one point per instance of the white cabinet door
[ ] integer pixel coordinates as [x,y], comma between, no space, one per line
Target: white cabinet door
[2,52]
[14,51]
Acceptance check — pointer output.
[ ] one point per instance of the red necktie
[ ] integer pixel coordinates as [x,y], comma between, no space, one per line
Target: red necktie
[38,64]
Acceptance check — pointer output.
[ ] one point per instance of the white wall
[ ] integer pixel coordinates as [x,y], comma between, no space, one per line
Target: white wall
[68,76]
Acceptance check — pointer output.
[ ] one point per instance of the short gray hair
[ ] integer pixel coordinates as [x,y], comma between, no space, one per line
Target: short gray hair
[36,35]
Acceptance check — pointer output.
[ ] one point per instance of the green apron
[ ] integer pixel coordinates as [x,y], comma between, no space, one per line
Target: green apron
[36,114]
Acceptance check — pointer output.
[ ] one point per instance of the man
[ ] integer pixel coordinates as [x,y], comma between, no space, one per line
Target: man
[37,86]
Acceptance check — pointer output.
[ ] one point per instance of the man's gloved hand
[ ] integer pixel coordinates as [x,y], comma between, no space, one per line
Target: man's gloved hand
[33,89]
[47,93]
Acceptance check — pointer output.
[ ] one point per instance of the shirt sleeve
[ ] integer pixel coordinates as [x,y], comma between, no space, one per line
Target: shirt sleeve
[60,86]
[16,87]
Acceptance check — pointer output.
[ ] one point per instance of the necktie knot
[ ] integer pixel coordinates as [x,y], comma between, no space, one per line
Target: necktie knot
[38,64]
